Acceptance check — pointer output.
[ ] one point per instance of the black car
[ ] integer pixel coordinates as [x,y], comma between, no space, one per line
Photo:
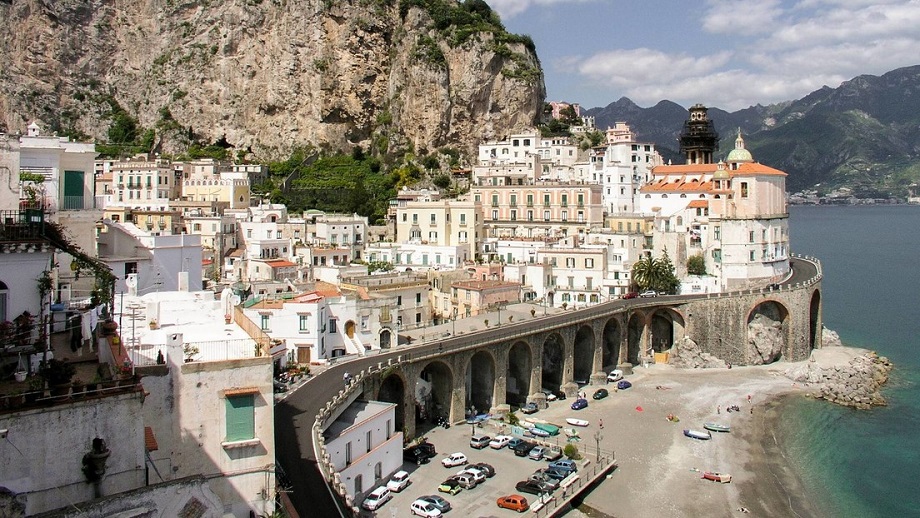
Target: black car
[523,448]
[420,453]
[485,468]
[600,394]
[533,487]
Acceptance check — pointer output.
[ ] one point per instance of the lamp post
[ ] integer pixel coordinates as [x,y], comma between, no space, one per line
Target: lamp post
[597,442]
[453,323]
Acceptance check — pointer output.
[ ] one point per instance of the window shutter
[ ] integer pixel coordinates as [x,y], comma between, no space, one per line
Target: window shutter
[240,418]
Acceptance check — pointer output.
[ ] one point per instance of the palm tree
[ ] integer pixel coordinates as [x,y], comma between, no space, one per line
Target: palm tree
[644,272]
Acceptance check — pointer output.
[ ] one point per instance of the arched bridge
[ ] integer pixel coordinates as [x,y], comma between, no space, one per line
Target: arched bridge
[515,363]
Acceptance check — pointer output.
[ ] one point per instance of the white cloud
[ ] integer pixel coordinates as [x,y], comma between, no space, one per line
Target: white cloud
[510,8]
[779,51]
[750,16]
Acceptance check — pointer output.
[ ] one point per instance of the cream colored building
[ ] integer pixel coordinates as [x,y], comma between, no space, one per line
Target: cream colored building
[544,209]
[144,183]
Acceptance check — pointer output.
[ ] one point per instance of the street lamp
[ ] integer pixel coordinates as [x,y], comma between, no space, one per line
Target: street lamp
[453,323]
[597,442]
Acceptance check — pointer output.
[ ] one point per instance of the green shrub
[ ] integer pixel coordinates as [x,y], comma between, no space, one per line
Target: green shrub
[571,451]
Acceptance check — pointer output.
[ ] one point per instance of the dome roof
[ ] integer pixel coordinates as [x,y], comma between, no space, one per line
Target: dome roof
[739,154]
[721,173]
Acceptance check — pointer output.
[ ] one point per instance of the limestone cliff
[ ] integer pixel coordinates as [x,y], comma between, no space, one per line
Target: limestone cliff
[266,74]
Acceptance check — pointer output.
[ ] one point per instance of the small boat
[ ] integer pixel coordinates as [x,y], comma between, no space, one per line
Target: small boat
[724,478]
[576,422]
[538,432]
[696,434]
[715,427]
[570,432]
[550,429]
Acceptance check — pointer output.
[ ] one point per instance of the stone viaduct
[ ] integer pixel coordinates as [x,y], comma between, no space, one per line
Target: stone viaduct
[517,363]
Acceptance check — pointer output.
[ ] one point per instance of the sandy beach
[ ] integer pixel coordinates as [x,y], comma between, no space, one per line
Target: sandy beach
[660,469]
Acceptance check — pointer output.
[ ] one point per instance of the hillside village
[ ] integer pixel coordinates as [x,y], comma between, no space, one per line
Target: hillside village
[167,297]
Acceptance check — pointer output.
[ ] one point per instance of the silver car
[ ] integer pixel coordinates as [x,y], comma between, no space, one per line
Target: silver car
[537,453]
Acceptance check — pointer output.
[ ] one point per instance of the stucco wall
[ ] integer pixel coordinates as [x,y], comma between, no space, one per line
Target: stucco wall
[43,453]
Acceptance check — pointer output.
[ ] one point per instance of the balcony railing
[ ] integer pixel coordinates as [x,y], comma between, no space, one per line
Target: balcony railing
[21,225]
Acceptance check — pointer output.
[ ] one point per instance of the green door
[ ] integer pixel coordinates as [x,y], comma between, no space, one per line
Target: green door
[73,190]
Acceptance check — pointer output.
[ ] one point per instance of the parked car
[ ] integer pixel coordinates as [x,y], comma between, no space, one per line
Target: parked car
[539,476]
[279,387]
[439,503]
[377,498]
[564,464]
[514,502]
[398,482]
[529,408]
[648,293]
[523,449]
[450,486]
[631,295]
[600,394]
[480,441]
[423,508]
[615,375]
[623,384]
[500,441]
[550,395]
[454,459]
[555,473]
[478,476]
[533,487]
[420,453]
[536,453]
[579,404]
[552,453]
[466,480]
[485,468]
[514,442]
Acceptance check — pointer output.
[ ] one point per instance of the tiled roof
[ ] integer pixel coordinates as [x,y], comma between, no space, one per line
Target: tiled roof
[698,204]
[750,168]
[280,263]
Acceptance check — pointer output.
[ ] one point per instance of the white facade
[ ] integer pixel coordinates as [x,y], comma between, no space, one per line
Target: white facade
[419,256]
[9,172]
[143,183]
[364,446]
[622,166]
[159,261]
[67,168]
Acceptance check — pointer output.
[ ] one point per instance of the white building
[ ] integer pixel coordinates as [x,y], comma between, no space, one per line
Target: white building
[622,166]
[66,169]
[364,445]
[211,408]
[161,262]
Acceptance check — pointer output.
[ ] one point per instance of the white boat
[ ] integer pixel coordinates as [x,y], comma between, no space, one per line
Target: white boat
[576,422]
[696,434]
[570,432]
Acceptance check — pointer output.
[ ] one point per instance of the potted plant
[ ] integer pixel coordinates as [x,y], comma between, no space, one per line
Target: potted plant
[109,327]
[93,384]
[190,351]
[59,373]
[153,323]
[228,318]
[78,387]
[20,375]
[36,389]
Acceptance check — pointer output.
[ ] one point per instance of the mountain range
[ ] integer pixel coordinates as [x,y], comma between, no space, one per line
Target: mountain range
[863,135]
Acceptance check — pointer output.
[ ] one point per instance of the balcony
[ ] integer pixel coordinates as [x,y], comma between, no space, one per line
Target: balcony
[21,225]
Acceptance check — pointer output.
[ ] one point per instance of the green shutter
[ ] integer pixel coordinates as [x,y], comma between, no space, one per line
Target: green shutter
[241,422]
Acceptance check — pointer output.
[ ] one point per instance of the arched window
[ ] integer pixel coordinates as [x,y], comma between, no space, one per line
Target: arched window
[378,471]
[680,220]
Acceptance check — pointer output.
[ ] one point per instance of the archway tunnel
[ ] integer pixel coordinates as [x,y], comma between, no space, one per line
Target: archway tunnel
[584,355]
[518,374]
[611,345]
[480,383]
[393,390]
[433,392]
[552,362]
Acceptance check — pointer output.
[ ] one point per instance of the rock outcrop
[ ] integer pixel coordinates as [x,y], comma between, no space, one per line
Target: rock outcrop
[855,384]
[264,74]
[765,340]
[687,354]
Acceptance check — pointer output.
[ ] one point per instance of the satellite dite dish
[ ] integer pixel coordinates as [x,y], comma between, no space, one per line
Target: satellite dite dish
[131,283]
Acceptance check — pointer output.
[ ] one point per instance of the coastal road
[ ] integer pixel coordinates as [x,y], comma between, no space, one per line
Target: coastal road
[294,415]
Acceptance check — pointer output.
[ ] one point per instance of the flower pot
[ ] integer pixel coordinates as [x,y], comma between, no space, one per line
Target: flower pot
[20,376]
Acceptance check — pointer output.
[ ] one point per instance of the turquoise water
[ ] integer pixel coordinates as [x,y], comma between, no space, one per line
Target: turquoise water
[858,463]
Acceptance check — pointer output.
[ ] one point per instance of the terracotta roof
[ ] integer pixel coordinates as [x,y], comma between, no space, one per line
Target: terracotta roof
[150,440]
[327,289]
[307,297]
[750,168]
[698,204]
[483,285]
[236,252]
[280,263]
[206,262]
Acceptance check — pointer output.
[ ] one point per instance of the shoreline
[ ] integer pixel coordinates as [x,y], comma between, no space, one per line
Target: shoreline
[660,470]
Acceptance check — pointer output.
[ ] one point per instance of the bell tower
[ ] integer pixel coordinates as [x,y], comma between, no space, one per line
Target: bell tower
[698,139]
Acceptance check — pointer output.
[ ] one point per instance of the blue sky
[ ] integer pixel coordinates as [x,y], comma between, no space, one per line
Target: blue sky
[726,53]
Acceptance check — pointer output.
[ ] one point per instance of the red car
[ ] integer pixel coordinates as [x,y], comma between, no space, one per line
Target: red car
[631,295]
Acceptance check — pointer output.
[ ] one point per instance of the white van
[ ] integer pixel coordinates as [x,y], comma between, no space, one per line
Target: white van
[377,498]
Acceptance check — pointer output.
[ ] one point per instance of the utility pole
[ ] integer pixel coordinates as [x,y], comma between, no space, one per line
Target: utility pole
[597,442]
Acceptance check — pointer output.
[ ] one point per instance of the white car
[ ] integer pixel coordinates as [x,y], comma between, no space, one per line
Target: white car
[423,508]
[454,459]
[615,375]
[499,442]
[478,476]
[398,481]
[377,498]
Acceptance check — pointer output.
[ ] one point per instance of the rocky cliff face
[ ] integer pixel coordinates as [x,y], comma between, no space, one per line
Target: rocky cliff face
[266,74]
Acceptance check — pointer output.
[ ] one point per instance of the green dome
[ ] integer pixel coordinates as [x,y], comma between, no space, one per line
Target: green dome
[739,154]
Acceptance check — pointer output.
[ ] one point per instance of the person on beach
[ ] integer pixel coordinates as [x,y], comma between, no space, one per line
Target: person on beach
[719,409]
[601,423]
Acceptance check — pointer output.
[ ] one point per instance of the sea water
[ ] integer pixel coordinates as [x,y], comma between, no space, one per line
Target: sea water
[857,463]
